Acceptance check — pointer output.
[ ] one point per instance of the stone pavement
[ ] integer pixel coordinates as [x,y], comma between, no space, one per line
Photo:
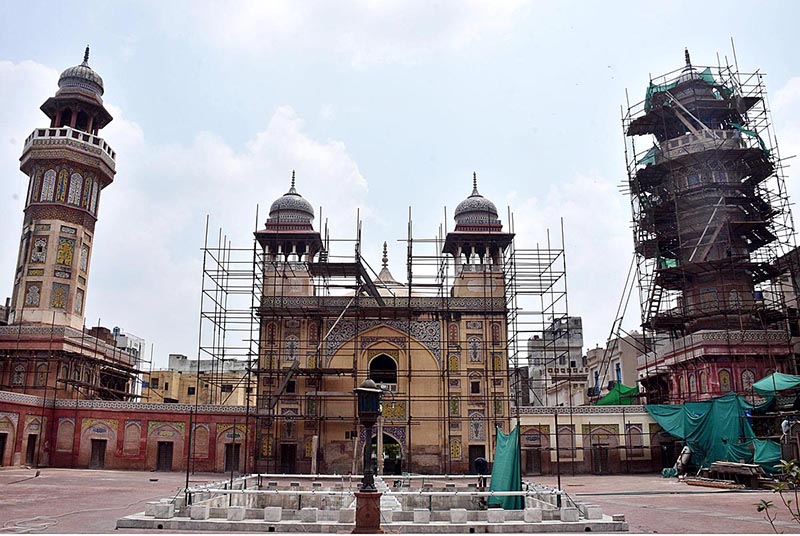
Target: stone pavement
[652,504]
[86,501]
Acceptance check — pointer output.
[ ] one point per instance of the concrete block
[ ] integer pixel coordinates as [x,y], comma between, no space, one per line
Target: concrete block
[422,515]
[387,516]
[458,515]
[533,515]
[164,511]
[592,512]
[495,515]
[347,515]
[199,511]
[569,513]
[236,513]
[308,515]
[150,508]
[272,513]
[514,515]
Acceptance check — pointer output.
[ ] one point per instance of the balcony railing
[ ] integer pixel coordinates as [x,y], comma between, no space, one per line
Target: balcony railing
[94,144]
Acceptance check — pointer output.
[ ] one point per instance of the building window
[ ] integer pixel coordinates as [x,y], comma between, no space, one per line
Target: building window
[228,388]
[291,387]
[724,381]
[166,385]
[154,383]
[475,387]
[18,377]
[748,379]
[566,441]
[633,437]
[618,372]
[190,391]
[40,379]
[383,369]
[693,179]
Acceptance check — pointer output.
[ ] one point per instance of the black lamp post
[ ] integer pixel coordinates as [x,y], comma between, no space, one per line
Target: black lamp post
[369,401]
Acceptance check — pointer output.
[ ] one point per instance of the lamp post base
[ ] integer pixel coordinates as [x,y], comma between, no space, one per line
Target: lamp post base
[368,513]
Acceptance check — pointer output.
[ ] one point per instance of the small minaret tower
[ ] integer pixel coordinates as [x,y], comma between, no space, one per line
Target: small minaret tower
[289,239]
[478,246]
[68,166]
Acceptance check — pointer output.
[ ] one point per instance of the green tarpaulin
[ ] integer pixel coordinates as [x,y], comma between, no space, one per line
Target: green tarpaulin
[705,75]
[506,475]
[776,382]
[620,395]
[717,430]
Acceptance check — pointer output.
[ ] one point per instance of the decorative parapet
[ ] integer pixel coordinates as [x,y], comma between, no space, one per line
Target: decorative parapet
[425,304]
[73,340]
[681,349]
[38,401]
[576,410]
[83,141]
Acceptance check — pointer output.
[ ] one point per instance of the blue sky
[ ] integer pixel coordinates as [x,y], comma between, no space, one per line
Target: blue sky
[378,106]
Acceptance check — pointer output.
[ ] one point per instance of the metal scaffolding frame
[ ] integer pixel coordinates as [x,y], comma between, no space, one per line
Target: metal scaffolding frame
[701,147]
[248,296]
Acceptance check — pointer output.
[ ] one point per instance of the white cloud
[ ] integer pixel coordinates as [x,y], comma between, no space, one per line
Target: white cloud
[365,32]
[146,264]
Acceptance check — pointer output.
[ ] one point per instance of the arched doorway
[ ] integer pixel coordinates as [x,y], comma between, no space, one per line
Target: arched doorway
[392,455]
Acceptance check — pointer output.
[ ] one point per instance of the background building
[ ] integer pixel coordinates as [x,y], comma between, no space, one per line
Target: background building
[186,382]
[556,372]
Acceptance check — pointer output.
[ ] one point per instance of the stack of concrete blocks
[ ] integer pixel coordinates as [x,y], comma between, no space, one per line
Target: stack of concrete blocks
[458,516]
[533,515]
[308,515]
[347,515]
[422,515]
[590,511]
[272,514]
[495,516]
[199,512]
[569,514]
[236,513]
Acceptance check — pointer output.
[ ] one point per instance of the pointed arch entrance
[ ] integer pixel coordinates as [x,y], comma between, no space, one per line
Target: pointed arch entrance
[392,455]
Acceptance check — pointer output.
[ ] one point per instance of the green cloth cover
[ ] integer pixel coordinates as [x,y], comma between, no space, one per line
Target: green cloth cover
[506,474]
[620,395]
[776,382]
[715,430]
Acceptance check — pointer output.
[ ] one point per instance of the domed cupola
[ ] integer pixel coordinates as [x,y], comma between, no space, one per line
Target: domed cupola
[81,77]
[291,209]
[476,210]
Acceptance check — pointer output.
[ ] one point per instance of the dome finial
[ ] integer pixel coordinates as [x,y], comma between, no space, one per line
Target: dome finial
[292,179]
[86,55]
[385,256]
[686,55]
[475,184]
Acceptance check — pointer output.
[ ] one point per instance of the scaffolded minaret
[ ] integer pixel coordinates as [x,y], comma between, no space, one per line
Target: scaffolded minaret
[710,219]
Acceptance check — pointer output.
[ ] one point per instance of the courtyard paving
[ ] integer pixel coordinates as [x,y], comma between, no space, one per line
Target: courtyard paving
[86,501]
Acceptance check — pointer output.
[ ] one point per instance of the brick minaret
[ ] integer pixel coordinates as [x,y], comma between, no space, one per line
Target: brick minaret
[68,165]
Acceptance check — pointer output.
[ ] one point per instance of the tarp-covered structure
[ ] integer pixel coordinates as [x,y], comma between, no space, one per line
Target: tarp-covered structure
[620,395]
[775,382]
[717,430]
[506,473]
